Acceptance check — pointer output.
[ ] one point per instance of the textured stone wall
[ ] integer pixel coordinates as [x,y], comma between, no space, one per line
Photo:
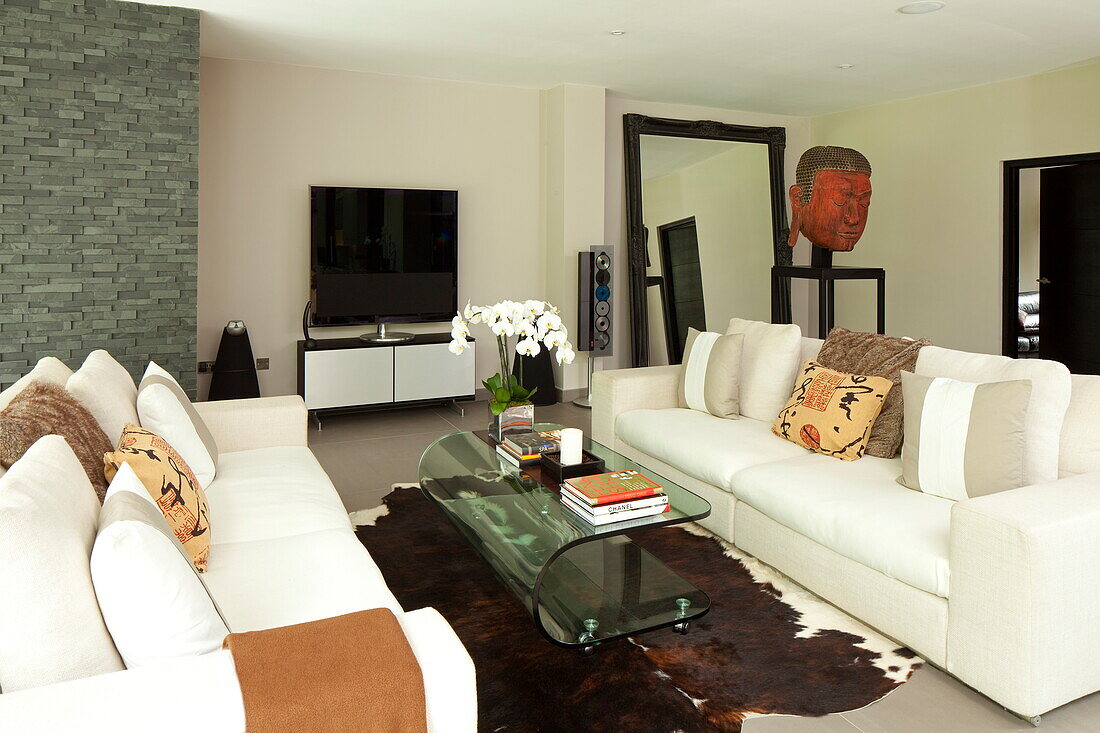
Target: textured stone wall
[99,116]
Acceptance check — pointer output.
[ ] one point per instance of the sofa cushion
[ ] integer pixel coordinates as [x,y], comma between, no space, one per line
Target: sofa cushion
[1080,440]
[710,378]
[859,511]
[709,448]
[154,603]
[267,493]
[165,408]
[51,629]
[291,580]
[832,412]
[107,390]
[171,483]
[769,361]
[1050,392]
[49,369]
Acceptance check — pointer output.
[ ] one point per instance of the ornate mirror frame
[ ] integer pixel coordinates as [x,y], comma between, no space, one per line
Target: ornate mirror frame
[634,126]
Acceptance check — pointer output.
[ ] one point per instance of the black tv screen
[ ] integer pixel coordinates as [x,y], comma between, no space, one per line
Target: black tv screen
[383,255]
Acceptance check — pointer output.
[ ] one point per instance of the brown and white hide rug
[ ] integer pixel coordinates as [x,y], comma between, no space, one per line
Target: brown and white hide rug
[767,646]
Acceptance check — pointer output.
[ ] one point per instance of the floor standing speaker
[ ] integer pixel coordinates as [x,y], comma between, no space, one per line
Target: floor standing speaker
[234,374]
[594,291]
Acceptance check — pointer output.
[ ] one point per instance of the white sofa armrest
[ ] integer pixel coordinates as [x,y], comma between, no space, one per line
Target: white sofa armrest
[133,700]
[450,684]
[262,422]
[621,390]
[1024,601]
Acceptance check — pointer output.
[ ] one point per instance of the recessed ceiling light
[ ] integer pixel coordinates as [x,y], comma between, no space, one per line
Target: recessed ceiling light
[844,66]
[920,8]
[618,33]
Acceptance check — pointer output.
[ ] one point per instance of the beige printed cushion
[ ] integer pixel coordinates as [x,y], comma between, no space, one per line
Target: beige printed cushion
[832,412]
[171,483]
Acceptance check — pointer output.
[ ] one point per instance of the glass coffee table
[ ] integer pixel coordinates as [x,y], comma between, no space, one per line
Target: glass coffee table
[583,585]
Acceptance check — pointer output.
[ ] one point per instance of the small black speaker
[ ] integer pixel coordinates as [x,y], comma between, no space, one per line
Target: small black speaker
[594,291]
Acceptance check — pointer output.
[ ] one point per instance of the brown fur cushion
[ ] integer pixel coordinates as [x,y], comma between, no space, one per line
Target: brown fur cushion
[879,356]
[47,409]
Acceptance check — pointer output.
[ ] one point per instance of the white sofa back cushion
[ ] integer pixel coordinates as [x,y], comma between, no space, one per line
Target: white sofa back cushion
[769,361]
[51,629]
[107,391]
[165,409]
[49,369]
[810,349]
[1080,446]
[154,603]
[1050,392]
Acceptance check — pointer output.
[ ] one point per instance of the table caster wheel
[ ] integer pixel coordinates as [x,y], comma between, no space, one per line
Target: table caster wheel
[588,650]
[681,628]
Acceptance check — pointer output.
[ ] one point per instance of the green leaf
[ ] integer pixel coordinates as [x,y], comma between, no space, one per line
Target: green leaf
[502,395]
[498,407]
[519,393]
[532,393]
[494,383]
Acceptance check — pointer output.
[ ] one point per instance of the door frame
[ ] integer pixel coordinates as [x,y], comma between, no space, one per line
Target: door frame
[1010,243]
[668,294]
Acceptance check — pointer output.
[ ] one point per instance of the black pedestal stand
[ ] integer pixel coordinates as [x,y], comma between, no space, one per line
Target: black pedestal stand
[822,270]
[538,372]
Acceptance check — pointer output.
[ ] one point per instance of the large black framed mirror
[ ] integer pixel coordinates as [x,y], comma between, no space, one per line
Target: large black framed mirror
[706,220]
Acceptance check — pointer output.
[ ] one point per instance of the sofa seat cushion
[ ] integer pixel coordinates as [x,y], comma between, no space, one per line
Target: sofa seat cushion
[291,580]
[708,448]
[268,493]
[858,510]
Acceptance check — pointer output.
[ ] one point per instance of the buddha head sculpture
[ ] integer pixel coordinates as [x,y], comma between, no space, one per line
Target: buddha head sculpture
[830,197]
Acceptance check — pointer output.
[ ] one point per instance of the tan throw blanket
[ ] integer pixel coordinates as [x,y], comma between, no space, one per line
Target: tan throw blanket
[349,673]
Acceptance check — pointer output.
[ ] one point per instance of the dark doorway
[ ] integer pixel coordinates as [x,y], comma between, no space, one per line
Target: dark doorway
[683,281]
[1051,311]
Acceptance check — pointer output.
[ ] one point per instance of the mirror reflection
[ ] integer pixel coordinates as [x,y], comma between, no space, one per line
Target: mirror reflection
[706,208]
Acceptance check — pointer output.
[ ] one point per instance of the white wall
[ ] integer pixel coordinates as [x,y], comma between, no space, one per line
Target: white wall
[268,131]
[798,139]
[935,216]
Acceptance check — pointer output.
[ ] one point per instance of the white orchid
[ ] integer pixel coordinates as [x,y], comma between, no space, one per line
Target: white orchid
[536,323]
[528,347]
[503,328]
[548,322]
[565,354]
[556,338]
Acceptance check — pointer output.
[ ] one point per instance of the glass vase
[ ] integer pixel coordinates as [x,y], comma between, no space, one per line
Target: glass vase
[514,419]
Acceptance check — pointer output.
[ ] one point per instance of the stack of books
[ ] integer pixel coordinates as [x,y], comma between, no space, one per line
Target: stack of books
[617,496]
[521,449]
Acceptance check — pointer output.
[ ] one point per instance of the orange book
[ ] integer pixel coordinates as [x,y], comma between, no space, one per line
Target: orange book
[608,488]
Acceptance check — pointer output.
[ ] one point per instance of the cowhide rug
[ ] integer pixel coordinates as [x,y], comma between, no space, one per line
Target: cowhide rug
[767,646]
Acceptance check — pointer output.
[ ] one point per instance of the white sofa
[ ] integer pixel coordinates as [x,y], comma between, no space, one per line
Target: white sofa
[1002,591]
[283,552]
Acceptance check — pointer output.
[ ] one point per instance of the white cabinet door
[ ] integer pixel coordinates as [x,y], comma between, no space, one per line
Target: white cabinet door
[430,371]
[348,377]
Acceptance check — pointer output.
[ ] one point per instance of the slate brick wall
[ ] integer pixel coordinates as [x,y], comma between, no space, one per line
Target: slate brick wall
[99,122]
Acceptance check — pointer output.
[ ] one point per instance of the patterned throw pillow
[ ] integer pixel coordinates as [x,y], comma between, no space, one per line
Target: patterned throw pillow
[964,439]
[42,408]
[832,412]
[879,356]
[710,377]
[171,483]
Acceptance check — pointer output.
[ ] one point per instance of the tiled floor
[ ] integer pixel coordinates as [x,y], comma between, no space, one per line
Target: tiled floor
[366,453]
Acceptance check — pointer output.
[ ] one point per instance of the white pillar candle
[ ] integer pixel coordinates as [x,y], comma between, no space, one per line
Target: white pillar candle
[571,446]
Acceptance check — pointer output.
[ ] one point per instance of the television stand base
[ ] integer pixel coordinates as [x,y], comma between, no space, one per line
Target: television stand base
[382,336]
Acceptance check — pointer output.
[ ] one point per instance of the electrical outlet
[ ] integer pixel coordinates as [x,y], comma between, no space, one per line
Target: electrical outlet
[206,366]
[263,363]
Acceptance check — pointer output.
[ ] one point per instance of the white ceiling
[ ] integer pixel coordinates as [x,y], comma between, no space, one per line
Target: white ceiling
[775,56]
[663,155]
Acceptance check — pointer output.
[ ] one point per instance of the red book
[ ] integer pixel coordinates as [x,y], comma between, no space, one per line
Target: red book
[608,488]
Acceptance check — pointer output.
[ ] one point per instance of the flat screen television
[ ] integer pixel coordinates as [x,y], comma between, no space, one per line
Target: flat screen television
[382,255]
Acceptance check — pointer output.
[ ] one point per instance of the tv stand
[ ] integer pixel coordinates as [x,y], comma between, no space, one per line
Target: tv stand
[348,374]
[382,336]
